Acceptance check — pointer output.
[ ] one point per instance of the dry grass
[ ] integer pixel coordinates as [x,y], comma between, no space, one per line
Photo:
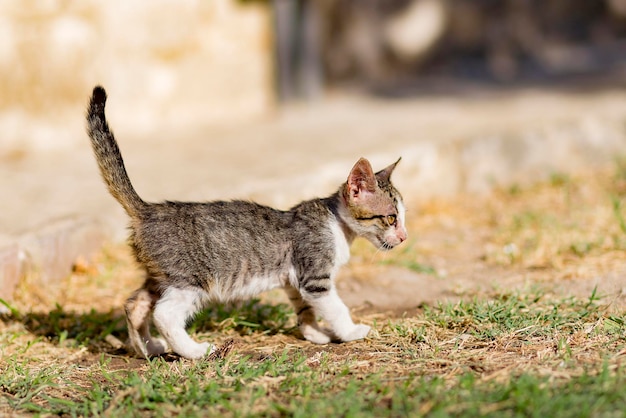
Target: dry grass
[492,352]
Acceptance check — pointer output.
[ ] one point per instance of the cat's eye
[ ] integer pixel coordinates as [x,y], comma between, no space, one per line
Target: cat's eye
[391,219]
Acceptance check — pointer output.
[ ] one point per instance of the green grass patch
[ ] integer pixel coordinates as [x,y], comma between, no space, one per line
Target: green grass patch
[505,356]
[245,318]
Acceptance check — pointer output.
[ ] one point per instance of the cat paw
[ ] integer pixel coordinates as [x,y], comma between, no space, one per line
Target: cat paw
[359,332]
[314,334]
[197,351]
[156,347]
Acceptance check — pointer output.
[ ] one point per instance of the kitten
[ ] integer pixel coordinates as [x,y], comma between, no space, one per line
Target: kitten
[197,253]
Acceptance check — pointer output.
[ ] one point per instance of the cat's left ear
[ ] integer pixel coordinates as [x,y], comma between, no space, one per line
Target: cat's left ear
[385,173]
[361,180]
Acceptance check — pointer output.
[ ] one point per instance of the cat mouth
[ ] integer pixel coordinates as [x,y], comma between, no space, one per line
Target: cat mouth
[386,246]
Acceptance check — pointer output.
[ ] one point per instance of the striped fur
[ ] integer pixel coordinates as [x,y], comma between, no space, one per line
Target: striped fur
[194,254]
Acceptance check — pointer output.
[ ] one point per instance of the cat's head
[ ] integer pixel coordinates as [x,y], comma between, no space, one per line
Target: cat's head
[376,208]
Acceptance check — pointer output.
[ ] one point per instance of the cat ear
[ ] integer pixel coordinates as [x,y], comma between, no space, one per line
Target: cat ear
[385,173]
[361,179]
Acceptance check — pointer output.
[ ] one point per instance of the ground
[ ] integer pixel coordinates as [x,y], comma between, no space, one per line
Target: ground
[509,303]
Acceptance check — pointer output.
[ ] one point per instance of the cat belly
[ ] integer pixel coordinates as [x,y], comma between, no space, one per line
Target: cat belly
[248,287]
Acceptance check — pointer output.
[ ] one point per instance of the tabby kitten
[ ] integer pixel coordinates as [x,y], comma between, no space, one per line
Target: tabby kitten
[197,253]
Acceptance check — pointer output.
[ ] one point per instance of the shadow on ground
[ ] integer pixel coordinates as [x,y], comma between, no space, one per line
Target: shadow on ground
[92,329]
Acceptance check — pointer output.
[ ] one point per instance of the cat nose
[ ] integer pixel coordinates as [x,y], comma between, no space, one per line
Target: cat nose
[401,234]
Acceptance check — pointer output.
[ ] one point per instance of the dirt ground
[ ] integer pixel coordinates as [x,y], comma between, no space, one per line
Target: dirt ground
[561,238]
[565,236]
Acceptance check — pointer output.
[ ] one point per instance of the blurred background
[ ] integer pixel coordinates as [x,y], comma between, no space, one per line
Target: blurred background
[205,62]
[274,100]
[511,41]
[167,61]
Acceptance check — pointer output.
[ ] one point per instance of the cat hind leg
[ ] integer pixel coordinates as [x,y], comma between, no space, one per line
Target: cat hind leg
[171,313]
[138,312]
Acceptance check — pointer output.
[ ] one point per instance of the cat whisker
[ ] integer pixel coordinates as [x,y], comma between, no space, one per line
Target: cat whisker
[383,248]
[378,250]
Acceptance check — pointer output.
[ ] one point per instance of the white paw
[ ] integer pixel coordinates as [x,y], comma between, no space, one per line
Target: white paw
[359,332]
[314,334]
[196,351]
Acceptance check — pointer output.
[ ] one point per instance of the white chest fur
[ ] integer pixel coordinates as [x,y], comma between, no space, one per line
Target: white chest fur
[342,248]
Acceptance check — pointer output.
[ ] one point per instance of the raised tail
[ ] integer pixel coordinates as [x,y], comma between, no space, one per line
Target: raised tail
[109,157]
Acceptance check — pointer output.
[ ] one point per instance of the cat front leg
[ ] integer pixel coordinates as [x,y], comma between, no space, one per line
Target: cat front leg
[307,322]
[327,304]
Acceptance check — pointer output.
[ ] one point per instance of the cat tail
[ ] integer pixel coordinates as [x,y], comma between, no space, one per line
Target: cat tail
[109,157]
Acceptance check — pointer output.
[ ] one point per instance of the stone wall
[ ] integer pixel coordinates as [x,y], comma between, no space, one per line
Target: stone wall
[178,62]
